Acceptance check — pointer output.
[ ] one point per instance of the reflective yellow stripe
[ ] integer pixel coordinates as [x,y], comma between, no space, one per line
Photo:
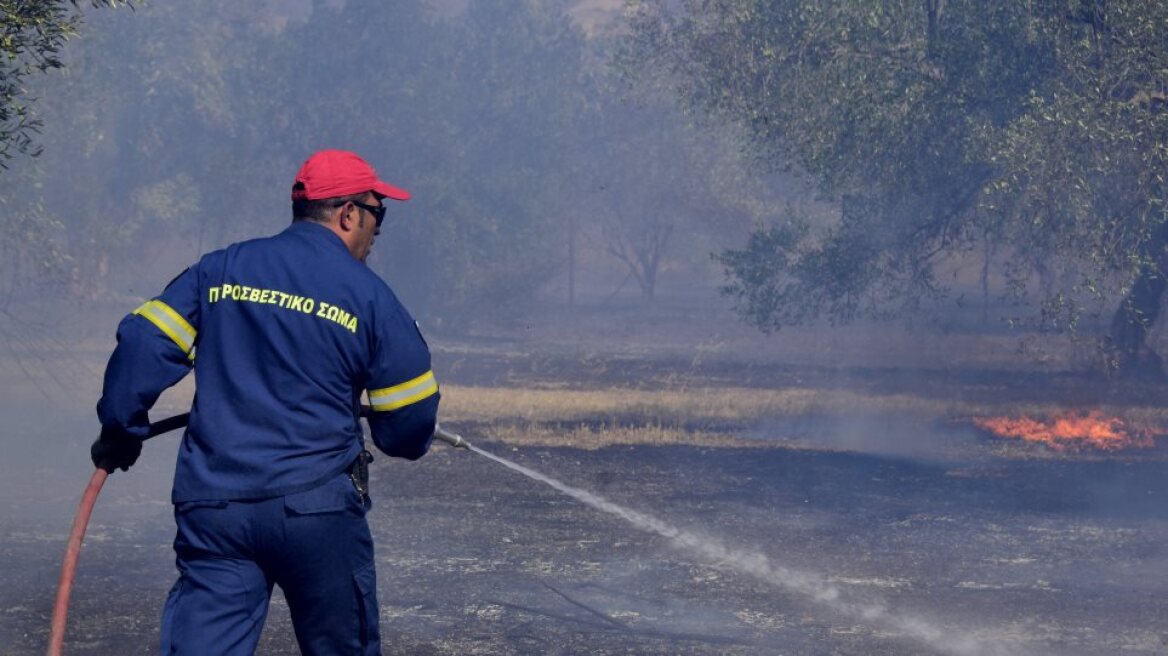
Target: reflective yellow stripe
[171,323]
[399,396]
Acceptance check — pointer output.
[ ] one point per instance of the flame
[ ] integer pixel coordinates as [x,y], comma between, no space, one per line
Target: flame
[1071,431]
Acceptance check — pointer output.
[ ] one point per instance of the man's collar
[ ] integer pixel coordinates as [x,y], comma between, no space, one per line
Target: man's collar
[314,230]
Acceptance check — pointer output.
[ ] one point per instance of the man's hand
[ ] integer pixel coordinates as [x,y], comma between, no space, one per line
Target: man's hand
[115,450]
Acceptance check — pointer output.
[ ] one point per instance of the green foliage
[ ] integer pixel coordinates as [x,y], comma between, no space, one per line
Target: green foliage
[936,126]
[884,113]
[767,295]
[1085,166]
[31,37]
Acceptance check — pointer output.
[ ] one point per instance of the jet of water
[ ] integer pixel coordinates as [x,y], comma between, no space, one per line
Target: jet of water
[759,566]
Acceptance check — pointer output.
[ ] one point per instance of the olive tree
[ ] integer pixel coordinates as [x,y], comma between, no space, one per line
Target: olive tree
[936,126]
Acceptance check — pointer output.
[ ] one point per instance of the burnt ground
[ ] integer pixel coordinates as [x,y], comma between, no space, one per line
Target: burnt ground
[1037,556]
[1025,552]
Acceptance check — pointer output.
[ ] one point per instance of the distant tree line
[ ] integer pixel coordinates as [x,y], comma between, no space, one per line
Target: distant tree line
[176,128]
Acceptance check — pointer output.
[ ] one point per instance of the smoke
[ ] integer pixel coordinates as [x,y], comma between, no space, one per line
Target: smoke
[887,434]
[759,566]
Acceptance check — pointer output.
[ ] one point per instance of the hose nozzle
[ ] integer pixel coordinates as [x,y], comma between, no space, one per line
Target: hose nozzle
[453,439]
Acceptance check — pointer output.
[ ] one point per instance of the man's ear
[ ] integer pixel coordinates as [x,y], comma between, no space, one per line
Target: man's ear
[345,219]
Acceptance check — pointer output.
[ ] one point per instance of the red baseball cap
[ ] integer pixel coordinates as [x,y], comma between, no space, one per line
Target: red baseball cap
[333,173]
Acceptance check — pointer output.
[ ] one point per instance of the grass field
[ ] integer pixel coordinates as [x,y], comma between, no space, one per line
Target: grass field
[592,418]
[849,459]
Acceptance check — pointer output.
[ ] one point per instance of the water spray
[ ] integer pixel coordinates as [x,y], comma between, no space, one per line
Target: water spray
[759,566]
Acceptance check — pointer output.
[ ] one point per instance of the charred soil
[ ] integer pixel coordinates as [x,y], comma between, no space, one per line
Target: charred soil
[910,510]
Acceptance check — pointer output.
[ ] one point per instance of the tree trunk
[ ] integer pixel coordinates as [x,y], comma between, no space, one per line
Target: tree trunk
[649,259]
[1130,356]
[987,259]
[649,284]
[572,262]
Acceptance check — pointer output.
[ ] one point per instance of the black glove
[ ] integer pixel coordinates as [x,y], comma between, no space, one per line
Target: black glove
[115,449]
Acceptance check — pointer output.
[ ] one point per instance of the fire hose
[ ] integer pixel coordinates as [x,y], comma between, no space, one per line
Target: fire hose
[85,509]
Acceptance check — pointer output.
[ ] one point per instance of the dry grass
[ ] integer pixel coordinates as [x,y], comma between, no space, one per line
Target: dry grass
[594,437]
[702,406]
[715,406]
[551,413]
[705,416]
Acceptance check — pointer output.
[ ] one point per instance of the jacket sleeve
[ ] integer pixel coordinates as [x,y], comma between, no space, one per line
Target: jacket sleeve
[155,349]
[402,390]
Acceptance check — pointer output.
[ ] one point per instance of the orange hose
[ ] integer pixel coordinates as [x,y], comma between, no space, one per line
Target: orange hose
[81,521]
[69,566]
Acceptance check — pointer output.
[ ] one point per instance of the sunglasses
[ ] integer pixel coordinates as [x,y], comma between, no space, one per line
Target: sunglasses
[378,211]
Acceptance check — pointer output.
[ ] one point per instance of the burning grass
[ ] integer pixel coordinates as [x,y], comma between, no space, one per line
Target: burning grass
[1072,431]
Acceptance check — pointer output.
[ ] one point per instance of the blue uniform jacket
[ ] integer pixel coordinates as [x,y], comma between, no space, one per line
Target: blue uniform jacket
[284,334]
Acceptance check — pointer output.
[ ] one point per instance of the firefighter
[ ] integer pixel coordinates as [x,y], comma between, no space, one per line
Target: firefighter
[284,334]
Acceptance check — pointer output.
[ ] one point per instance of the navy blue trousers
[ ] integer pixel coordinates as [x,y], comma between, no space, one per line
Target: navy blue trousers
[315,545]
